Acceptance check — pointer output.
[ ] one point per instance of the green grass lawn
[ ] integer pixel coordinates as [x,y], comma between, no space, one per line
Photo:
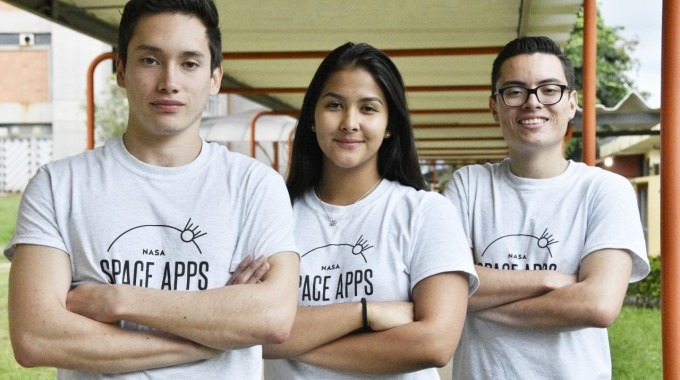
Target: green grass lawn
[635,340]
[635,337]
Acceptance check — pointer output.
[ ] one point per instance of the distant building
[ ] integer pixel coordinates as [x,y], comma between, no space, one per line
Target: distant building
[42,93]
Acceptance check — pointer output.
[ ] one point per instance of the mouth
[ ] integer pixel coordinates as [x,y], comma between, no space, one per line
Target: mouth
[167,105]
[347,143]
[533,121]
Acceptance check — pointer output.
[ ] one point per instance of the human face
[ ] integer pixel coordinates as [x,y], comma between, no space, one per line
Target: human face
[167,76]
[351,121]
[533,126]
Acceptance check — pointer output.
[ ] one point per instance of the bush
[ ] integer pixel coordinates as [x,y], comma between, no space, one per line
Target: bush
[647,293]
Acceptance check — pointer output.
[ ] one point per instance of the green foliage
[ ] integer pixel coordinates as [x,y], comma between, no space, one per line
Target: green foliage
[111,111]
[9,205]
[613,61]
[647,293]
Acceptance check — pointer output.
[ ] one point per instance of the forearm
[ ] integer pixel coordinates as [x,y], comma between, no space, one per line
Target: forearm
[402,349]
[594,301]
[430,341]
[500,287]
[44,333]
[231,317]
[315,326]
[102,348]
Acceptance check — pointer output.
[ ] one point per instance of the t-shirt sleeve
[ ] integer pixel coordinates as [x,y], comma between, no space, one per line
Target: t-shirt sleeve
[615,223]
[440,244]
[36,220]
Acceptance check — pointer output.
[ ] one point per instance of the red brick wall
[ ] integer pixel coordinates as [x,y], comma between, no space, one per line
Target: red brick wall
[24,77]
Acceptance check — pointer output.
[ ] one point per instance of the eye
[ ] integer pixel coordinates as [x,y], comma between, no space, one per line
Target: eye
[369,108]
[149,61]
[514,92]
[334,105]
[191,65]
[550,90]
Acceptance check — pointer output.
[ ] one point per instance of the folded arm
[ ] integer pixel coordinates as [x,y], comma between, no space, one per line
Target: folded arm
[594,301]
[44,333]
[429,341]
[224,318]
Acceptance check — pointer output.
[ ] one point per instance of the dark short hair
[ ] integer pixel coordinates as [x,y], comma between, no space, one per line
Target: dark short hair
[397,156]
[532,45]
[205,10]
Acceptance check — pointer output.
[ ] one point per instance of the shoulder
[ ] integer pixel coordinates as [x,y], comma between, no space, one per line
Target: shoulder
[597,176]
[237,164]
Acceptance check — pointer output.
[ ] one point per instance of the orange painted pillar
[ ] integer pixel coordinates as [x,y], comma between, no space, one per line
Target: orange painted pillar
[589,81]
[90,95]
[670,189]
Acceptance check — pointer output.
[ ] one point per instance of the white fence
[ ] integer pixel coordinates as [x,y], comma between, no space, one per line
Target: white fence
[20,158]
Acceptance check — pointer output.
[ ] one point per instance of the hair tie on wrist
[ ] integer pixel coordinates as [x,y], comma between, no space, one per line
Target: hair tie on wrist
[364,314]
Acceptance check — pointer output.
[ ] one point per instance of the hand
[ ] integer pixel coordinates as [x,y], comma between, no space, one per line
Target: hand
[249,271]
[386,315]
[94,301]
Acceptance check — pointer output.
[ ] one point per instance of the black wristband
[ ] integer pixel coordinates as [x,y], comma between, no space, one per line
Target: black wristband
[364,314]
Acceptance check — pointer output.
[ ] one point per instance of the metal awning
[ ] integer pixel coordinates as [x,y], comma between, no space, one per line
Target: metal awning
[443,48]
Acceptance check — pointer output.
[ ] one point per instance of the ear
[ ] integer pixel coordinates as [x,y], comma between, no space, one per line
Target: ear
[492,108]
[573,104]
[216,80]
[387,134]
[120,73]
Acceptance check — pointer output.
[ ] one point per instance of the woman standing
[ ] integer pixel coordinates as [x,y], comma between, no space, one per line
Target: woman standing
[385,267]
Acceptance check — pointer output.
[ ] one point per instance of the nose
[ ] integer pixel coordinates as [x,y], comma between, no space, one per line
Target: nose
[350,121]
[168,81]
[532,101]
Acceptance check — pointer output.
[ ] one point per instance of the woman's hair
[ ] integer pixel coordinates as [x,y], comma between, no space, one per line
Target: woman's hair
[397,156]
[204,10]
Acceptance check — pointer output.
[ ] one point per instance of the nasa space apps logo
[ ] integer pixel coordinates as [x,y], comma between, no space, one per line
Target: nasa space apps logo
[158,256]
[520,252]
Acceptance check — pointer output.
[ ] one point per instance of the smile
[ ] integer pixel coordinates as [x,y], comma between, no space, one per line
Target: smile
[532,121]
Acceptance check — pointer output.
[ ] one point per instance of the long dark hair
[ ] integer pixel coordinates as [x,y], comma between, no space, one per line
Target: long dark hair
[205,10]
[397,156]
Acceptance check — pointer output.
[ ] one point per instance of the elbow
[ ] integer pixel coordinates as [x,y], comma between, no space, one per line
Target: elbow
[279,325]
[27,351]
[603,315]
[437,352]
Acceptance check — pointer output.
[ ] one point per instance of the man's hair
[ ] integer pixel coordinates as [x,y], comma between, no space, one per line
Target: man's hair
[532,45]
[204,10]
[397,156]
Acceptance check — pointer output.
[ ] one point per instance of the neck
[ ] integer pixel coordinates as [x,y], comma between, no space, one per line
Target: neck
[169,151]
[343,189]
[538,166]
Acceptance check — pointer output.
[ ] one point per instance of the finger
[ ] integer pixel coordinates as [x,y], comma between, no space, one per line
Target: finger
[242,266]
[259,272]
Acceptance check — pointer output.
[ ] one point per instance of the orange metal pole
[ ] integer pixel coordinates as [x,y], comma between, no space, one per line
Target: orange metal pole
[300,90]
[589,80]
[253,122]
[670,189]
[90,95]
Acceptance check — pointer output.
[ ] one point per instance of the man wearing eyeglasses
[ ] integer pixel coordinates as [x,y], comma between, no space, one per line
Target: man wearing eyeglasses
[556,242]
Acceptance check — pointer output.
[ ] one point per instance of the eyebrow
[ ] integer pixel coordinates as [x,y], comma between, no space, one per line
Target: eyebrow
[156,49]
[523,84]
[338,96]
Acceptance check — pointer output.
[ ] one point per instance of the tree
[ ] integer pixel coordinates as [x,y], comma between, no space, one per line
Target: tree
[613,62]
[111,111]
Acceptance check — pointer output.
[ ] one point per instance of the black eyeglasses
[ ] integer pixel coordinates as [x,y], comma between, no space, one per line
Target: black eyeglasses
[547,94]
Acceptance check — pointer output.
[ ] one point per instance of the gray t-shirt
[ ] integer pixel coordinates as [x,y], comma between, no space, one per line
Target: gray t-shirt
[182,228]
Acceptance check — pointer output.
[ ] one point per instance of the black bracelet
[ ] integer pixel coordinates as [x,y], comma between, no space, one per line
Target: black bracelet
[364,314]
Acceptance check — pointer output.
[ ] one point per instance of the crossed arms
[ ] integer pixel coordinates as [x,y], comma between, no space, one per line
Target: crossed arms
[406,336]
[50,326]
[552,300]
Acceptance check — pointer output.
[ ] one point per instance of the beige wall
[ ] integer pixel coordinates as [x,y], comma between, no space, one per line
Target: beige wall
[653,184]
[25,76]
